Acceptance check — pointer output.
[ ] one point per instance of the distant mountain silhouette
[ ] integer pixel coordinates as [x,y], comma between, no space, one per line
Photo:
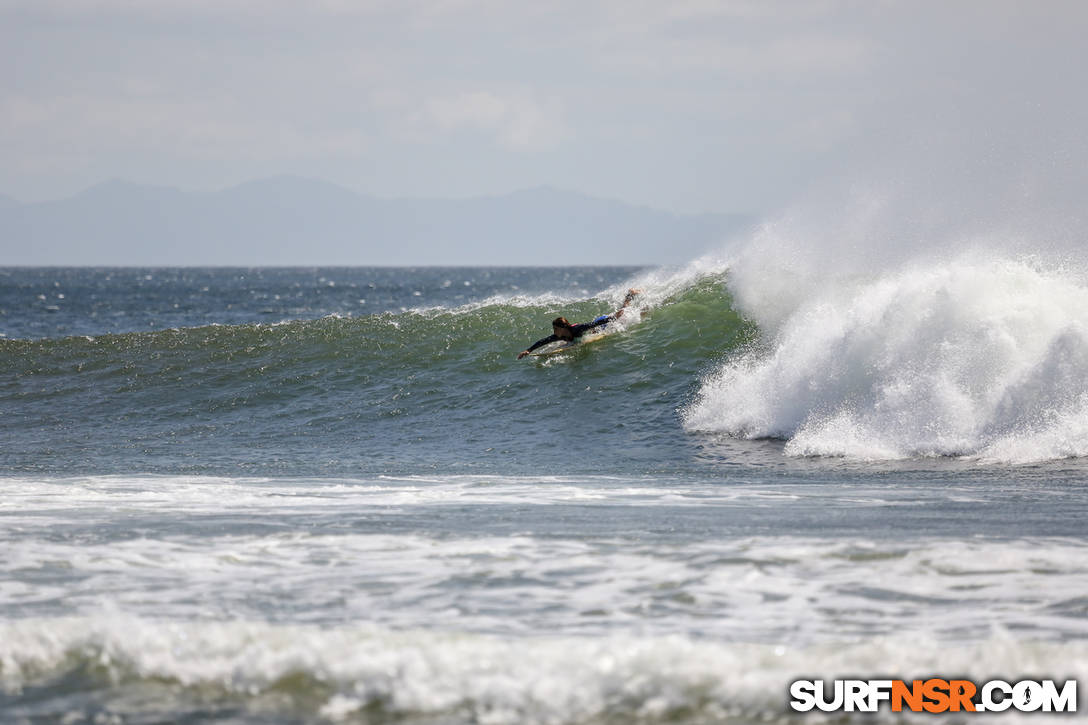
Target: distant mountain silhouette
[294,221]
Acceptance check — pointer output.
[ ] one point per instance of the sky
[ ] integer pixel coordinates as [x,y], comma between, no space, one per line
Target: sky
[687,105]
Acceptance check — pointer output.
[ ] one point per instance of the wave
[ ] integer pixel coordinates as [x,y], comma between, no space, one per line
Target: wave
[886,354]
[981,355]
[375,389]
[137,668]
[389,339]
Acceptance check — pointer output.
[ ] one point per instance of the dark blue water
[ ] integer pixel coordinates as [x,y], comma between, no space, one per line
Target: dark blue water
[58,301]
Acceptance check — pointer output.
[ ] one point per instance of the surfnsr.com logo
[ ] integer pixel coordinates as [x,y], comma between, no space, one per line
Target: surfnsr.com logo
[934,695]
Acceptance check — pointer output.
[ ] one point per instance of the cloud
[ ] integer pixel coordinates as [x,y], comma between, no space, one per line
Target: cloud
[250,9]
[517,120]
[119,123]
[693,104]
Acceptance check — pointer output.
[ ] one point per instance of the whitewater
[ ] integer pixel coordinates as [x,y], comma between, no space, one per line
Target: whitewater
[334,495]
[972,356]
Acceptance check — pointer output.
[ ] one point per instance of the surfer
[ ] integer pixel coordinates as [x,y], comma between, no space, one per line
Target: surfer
[564,330]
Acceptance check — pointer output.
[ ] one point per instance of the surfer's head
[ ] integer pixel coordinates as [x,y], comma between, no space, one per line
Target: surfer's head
[562,328]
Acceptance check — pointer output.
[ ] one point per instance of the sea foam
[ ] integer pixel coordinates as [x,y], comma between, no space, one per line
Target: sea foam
[378,674]
[980,354]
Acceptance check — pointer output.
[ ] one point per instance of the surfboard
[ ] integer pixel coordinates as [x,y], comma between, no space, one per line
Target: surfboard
[554,348]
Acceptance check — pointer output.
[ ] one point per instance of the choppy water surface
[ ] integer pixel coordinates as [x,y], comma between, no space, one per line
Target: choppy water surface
[334,495]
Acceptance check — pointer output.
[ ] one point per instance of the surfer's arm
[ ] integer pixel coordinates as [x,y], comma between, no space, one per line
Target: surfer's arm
[605,319]
[631,294]
[539,343]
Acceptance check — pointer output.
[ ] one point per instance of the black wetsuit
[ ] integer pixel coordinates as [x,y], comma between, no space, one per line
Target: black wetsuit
[578,331]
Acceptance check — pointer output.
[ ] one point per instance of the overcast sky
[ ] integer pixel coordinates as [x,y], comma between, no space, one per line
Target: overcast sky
[685,105]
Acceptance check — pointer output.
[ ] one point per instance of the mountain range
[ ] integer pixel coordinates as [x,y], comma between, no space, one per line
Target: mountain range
[296,221]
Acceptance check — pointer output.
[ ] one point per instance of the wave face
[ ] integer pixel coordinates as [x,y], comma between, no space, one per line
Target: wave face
[401,390]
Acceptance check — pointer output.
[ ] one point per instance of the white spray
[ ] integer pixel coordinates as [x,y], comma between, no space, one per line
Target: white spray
[879,343]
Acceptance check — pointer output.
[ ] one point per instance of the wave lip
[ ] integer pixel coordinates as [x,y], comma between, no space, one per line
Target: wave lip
[982,358]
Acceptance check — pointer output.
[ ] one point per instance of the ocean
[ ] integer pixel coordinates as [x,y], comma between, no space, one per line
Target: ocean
[288,495]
